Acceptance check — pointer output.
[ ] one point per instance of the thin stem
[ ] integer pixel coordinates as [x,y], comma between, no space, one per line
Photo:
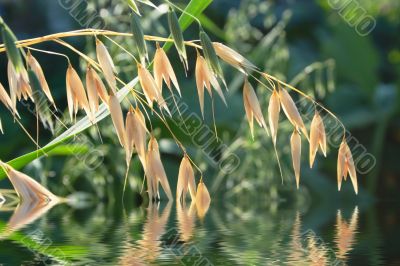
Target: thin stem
[184,12]
[49,52]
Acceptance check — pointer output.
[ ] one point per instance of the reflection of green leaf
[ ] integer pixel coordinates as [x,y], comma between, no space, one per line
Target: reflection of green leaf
[58,252]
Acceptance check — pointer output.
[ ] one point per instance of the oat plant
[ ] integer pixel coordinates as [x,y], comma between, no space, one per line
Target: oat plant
[103,91]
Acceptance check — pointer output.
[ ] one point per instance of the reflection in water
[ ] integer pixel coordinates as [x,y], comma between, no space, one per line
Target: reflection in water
[226,235]
[345,233]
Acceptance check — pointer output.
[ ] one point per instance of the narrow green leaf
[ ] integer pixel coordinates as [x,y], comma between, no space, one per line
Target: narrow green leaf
[13,53]
[177,35]
[138,37]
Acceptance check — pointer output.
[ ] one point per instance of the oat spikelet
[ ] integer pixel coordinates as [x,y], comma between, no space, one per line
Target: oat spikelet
[155,171]
[117,118]
[163,70]
[130,134]
[317,137]
[24,86]
[295,143]
[186,182]
[206,78]
[203,200]
[290,109]
[252,107]
[139,135]
[106,64]
[93,96]
[6,100]
[27,188]
[99,85]
[274,109]
[345,166]
[148,84]
[233,58]
[37,69]
[76,94]
[15,93]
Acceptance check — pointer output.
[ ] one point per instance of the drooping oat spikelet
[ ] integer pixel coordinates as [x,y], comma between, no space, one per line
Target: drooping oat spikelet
[117,118]
[106,64]
[93,96]
[139,135]
[252,107]
[232,57]
[290,109]
[163,70]
[138,37]
[76,94]
[186,182]
[148,84]
[317,137]
[130,134]
[274,109]
[99,85]
[155,171]
[203,200]
[15,92]
[23,85]
[177,35]
[150,88]
[35,66]
[295,143]
[13,53]
[41,104]
[345,166]
[27,188]
[205,78]
[211,56]
[6,100]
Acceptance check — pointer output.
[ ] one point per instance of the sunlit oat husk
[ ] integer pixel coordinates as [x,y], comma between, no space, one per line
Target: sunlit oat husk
[295,143]
[205,78]
[148,84]
[93,96]
[140,135]
[76,94]
[27,188]
[6,100]
[252,107]
[233,58]
[117,118]
[274,109]
[130,134]
[163,71]
[15,93]
[317,137]
[23,84]
[186,181]
[203,200]
[106,64]
[35,66]
[99,85]
[345,166]
[155,171]
[290,109]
